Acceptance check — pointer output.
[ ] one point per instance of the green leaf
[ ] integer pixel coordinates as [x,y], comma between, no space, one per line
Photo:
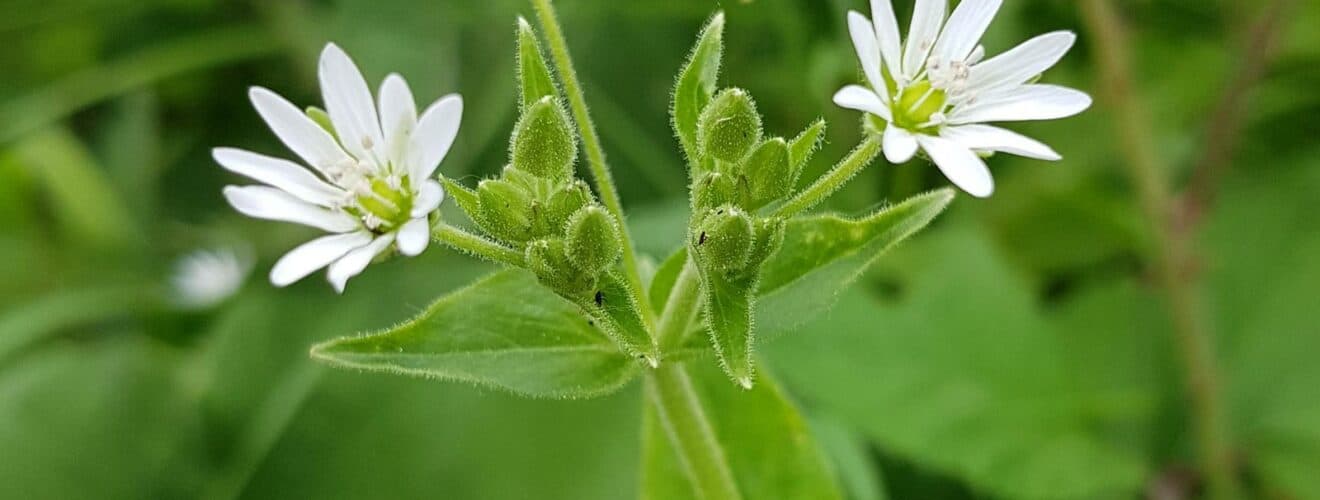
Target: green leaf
[696,85]
[768,445]
[506,331]
[533,75]
[960,372]
[84,200]
[614,305]
[728,318]
[805,145]
[466,199]
[821,255]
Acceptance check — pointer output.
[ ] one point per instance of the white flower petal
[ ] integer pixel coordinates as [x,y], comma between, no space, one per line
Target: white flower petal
[927,19]
[434,135]
[264,202]
[862,99]
[398,116]
[302,135]
[868,52]
[429,196]
[314,255]
[886,36]
[991,138]
[965,28]
[899,145]
[962,166]
[413,236]
[356,261]
[349,103]
[286,175]
[1023,63]
[1023,103]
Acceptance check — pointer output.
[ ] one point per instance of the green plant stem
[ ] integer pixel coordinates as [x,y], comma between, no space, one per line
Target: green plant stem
[685,423]
[1171,253]
[477,246]
[600,171]
[680,308]
[832,181]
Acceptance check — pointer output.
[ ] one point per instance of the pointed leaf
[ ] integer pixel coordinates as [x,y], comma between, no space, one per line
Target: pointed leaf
[465,198]
[822,255]
[615,308]
[805,144]
[533,74]
[665,277]
[696,85]
[505,331]
[770,449]
[728,316]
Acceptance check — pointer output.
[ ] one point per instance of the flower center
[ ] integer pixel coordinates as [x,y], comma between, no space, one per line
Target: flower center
[919,107]
[382,202]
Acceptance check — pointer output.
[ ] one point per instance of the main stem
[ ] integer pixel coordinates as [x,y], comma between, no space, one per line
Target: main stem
[1195,343]
[832,181]
[690,434]
[600,171]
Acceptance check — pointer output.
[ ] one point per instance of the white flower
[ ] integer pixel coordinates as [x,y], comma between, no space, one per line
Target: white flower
[936,92]
[370,183]
[207,277]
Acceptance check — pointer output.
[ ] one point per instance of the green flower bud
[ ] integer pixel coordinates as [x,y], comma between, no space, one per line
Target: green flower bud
[549,260]
[593,240]
[715,189]
[729,126]
[724,238]
[768,172]
[505,210]
[565,202]
[543,142]
[769,237]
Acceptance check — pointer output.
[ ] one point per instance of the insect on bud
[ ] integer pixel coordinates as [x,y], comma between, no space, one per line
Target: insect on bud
[769,173]
[543,142]
[724,238]
[593,240]
[505,210]
[729,126]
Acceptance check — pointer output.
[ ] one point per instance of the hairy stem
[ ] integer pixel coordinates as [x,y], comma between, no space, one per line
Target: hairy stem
[690,433]
[680,308]
[600,171]
[832,181]
[475,245]
[1171,253]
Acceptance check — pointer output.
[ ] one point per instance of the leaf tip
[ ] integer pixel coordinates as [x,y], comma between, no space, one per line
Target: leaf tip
[745,383]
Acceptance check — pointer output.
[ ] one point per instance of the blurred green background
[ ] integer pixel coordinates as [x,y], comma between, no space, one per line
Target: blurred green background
[1018,349]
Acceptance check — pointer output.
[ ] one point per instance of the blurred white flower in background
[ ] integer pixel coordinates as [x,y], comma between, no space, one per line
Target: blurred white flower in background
[936,92]
[206,278]
[370,179]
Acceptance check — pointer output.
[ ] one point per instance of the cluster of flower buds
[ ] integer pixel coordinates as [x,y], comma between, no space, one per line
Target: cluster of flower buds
[741,172]
[538,207]
[568,239]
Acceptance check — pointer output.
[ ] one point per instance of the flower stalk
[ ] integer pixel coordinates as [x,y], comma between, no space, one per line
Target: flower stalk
[831,182]
[475,245]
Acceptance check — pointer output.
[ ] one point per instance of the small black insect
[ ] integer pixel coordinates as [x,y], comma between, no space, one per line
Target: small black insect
[702,240]
[600,298]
